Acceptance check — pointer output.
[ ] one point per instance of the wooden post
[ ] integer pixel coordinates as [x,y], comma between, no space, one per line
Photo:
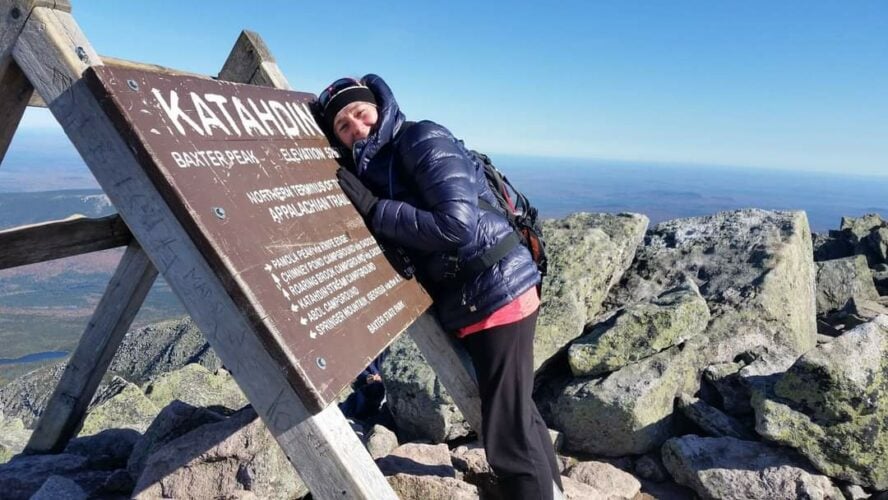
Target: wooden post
[104,333]
[323,447]
[250,61]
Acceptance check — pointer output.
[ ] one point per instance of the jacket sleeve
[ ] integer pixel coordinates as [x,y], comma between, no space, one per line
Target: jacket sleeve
[444,176]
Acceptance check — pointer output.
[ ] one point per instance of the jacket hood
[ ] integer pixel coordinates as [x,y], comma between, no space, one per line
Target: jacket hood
[390,120]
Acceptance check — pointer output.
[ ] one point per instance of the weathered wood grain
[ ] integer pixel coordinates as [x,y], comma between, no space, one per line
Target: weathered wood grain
[63,238]
[112,318]
[250,61]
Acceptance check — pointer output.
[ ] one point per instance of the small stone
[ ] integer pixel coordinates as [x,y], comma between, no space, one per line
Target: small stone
[607,480]
[649,467]
[59,488]
[381,441]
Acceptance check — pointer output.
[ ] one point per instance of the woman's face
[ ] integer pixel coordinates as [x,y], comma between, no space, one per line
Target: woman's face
[354,122]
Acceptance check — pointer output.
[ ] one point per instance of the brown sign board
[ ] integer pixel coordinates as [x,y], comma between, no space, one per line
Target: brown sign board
[250,175]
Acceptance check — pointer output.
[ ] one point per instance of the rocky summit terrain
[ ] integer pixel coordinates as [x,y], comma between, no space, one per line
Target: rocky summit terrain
[733,356]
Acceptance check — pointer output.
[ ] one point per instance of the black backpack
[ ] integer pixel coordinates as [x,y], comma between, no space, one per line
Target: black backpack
[516,208]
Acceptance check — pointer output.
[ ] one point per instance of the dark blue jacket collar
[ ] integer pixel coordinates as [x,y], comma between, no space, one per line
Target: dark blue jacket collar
[390,121]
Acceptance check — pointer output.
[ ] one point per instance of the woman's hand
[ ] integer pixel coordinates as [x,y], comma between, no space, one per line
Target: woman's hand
[357,192]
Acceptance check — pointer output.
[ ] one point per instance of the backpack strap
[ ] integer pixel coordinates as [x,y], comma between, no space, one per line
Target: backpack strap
[493,255]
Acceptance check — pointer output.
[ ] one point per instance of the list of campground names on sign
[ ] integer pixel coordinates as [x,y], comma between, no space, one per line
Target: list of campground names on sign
[250,172]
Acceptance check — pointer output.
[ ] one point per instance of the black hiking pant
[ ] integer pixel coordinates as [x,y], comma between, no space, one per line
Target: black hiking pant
[516,439]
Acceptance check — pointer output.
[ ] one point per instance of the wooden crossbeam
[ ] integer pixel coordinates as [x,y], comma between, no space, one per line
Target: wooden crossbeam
[112,318]
[63,238]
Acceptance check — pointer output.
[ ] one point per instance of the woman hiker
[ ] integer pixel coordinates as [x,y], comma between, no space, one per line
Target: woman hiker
[418,187]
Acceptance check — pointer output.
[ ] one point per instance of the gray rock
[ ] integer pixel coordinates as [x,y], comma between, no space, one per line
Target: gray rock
[650,467]
[471,461]
[831,406]
[242,457]
[712,421]
[640,330]
[828,247]
[841,280]
[754,268]
[728,468]
[162,347]
[630,410]
[176,420]
[23,476]
[609,481]
[419,460]
[860,227]
[854,492]
[381,441]
[421,408]
[409,487]
[878,242]
[576,490]
[59,488]
[197,386]
[107,450]
[588,254]
[732,394]
[868,309]
[128,408]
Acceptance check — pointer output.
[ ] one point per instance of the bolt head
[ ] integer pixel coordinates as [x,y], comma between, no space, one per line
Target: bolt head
[15,13]
[220,212]
[322,363]
[134,85]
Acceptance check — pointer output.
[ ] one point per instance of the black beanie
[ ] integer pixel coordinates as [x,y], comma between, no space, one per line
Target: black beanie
[343,98]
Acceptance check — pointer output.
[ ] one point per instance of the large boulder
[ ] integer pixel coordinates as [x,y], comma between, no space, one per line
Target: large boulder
[23,476]
[832,405]
[419,460]
[588,254]
[628,411]
[420,406]
[237,455]
[197,386]
[711,420]
[842,280]
[754,268]
[608,481]
[410,487]
[122,405]
[640,330]
[176,420]
[730,469]
[866,233]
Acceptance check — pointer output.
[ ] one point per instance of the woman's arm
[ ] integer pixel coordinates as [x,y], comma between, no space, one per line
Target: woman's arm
[445,178]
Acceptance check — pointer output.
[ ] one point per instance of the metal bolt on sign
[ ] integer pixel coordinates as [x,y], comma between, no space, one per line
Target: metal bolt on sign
[219,211]
[81,53]
[322,363]
[132,84]
[15,13]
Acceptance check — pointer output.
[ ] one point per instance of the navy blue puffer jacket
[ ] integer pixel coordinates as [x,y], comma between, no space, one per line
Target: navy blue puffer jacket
[429,186]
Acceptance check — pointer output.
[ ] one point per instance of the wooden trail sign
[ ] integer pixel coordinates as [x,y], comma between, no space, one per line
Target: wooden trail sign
[251,176]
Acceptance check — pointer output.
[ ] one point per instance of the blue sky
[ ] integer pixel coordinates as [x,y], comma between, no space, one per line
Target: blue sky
[792,84]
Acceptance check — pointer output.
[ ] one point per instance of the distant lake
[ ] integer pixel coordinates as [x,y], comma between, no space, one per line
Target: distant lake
[30,358]
[559,187]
